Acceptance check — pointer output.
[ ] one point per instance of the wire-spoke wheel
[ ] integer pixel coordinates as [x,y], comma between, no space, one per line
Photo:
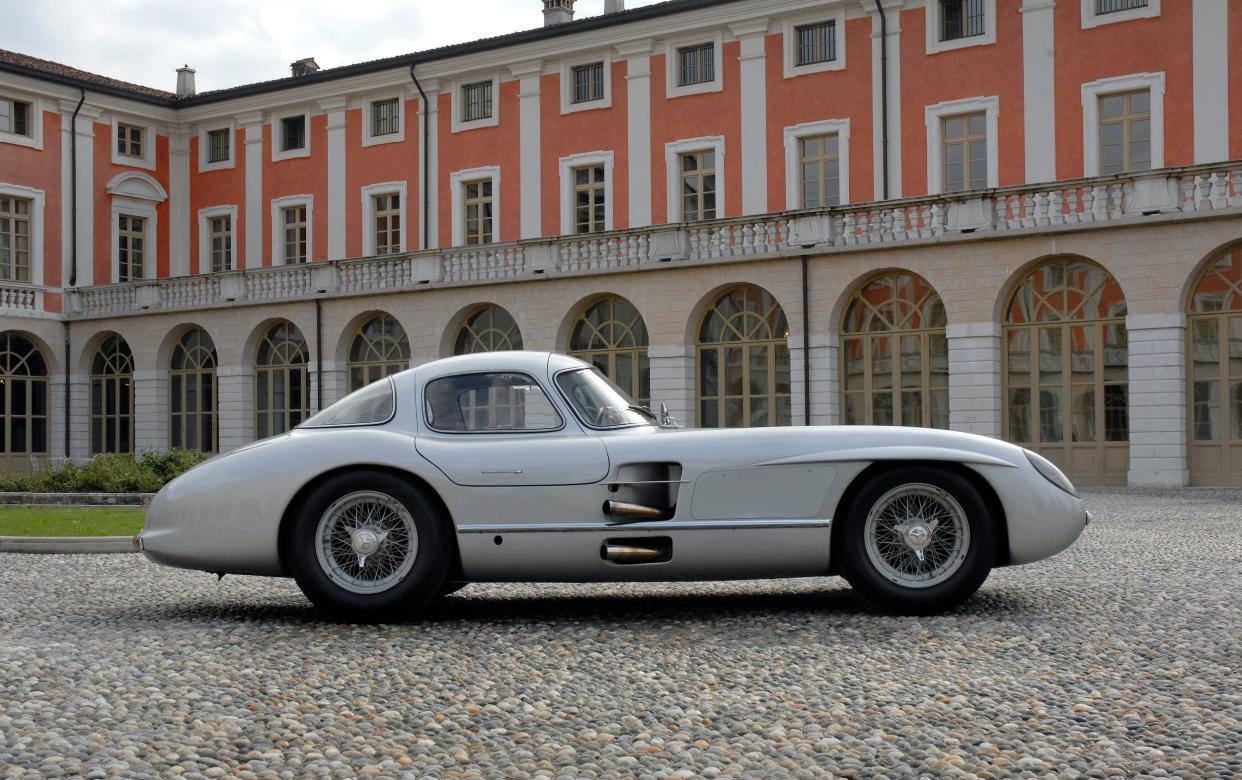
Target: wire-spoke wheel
[917,535]
[917,539]
[369,545]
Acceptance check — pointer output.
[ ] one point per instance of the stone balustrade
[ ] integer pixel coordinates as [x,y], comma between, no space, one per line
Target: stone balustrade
[1197,191]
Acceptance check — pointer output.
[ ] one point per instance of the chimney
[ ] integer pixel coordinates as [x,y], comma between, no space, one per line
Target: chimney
[614,6]
[185,82]
[304,67]
[557,12]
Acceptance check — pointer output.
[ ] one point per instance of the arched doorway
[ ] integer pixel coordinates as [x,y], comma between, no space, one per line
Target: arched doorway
[112,397]
[192,393]
[489,329]
[23,404]
[1215,375]
[743,361]
[281,380]
[379,348]
[1066,370]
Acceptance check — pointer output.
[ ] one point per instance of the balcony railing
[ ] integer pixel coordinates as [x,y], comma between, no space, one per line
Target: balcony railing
[1203,190]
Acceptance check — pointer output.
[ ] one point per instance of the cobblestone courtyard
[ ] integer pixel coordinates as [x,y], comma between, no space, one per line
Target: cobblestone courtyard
[1120,657]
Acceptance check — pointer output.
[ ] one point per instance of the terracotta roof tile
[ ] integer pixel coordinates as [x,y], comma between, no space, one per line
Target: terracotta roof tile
[28,63]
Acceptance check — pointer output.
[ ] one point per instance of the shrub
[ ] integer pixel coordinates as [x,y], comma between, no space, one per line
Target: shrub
[115,473]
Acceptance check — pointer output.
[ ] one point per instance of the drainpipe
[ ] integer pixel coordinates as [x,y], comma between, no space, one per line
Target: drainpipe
[806,343]
[319,354]
[426,157]
[73,247]
[879,6]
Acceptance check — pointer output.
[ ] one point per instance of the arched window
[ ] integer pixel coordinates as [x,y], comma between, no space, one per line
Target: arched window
[743,361]
[490,329]
[378,349]
[1066,372]
[281,381]
[895,359]
[1215,392]
[23,403]
[612,336]
[192,392]
[112,397]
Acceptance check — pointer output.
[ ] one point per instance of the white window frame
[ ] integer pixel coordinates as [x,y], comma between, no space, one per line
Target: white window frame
[231,162]
[278,226]
[204,237]
[933,116]
[37,200]
[1091,94]
[277,135]
[567,167]
[35,139]
[147,160]
[672,173]
[1091,19]
[457,182]
[793,158]
[133,207]
[931,23]
[460,126]
[791,25]
[368,139]
[369,192]
[672,66]
[568,106]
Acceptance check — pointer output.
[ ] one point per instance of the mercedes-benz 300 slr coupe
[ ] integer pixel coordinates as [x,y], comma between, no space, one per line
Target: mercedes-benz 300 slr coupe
[528,466]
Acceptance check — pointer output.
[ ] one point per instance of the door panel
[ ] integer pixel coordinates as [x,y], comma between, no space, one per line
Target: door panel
[490,459]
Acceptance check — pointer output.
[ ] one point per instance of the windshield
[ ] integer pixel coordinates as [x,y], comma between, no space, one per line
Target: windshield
[599,402]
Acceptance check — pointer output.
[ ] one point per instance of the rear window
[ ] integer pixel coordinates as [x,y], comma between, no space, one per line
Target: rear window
[372,405]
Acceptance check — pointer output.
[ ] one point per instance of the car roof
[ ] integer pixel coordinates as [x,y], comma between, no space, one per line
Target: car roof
[537,364]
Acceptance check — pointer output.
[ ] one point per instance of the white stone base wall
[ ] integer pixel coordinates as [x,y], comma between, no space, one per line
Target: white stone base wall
[672,381]
[975,378]
[1158,434]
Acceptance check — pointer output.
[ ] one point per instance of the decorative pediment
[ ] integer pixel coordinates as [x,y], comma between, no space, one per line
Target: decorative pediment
[139,186]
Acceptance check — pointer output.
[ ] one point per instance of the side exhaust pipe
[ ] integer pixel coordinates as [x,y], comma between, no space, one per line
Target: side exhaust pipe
[619,553]
[632,511]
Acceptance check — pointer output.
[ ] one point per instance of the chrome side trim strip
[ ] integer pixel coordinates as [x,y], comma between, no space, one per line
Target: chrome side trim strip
[655,525]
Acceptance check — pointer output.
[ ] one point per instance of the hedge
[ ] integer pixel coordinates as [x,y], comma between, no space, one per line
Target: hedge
[116,473]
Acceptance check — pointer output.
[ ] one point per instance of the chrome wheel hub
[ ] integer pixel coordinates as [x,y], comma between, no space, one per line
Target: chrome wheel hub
[917,535]
[366,542]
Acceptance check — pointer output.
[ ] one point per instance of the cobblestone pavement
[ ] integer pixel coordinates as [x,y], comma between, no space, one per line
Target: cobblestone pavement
[1119,657]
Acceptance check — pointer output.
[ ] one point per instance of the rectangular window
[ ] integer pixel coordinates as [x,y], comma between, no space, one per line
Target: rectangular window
[293,220]
[386,117]
[387,224]
[961,19]
[589,83]
[477,209]
[1125,132]
[476,101]
[129,140]
[590,199]
[820,160]
[817,42]
[697,64]
[698,185]
[131,250]
[220,233]
[15,117]
[292,133]
[218,145]
[1113,6]
[964,152]
[14,239]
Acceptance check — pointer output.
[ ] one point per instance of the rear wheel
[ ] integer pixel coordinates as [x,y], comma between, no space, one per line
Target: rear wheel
[917,541]
[368,546]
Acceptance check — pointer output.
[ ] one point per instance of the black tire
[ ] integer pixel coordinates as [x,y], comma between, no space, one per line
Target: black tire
[401,599]
[976,560]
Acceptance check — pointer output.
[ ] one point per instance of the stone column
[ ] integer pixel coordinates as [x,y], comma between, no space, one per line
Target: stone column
[975,378]
[754,109]
[1158,437]
[235,406]
[638,92]
[823,379]
[252,253]
[529,147]
[79,417]
[335,106]
[150,410]
[672,381]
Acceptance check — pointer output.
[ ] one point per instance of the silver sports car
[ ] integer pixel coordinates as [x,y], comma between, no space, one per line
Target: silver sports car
[528,466]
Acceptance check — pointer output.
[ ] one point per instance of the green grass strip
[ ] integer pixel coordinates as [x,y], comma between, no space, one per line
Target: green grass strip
[70,521]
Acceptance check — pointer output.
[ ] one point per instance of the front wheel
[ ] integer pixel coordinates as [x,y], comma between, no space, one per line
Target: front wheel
[369,546]
[917,541]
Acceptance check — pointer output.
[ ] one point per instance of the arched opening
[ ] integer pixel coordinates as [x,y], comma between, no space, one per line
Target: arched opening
[743,361]
[112,397]
[610,334]
[192,385]
[23,403]
[281,380]
[894,354]
[1066,370]
[1215,376]
[489,329]
[378,348]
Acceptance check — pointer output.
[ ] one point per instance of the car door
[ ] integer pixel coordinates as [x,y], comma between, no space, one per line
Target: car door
[500,429]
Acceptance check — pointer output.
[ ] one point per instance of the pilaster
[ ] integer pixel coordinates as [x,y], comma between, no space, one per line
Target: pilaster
[754,109]
[335,106]
[79,418]
[179,202]
[1039,98]
[892,11]
[637,55]
[975,378]
[1158,436]
[428,129]
[672,380]
[1210,57]
[234,406]
[150,410]
[530,147]
[252,253]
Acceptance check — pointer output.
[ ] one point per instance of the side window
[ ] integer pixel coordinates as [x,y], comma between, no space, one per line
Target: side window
[489,403]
